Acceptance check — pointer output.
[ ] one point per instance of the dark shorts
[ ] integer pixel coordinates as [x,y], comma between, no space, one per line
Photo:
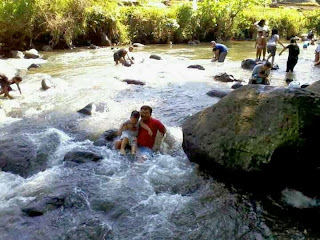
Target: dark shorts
[116,57]
[272,50]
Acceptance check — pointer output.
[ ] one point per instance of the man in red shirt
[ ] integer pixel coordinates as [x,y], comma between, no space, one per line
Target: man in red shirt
[146,140]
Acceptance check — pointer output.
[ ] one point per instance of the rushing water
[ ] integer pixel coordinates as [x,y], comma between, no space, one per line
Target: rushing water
[165,197]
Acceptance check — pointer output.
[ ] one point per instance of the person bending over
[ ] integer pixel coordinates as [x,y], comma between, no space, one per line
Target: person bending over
[120,56]
[5,85]
[261,73]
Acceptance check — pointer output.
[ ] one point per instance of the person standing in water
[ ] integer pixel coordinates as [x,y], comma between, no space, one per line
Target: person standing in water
[272,45]
[220,51]
[262,26]
[294,52]
[260,45]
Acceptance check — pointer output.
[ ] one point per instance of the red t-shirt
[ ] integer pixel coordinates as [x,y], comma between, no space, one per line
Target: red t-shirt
[144,139]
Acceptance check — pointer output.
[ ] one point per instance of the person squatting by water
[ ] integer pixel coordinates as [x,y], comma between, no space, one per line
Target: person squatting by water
[260,45]
[119,56]
[5,85]
[220,51]
[262,26]
[261,73]
[294,52]
[272,45]
[129,132]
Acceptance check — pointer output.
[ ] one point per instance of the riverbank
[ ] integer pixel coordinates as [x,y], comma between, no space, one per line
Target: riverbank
[67,23]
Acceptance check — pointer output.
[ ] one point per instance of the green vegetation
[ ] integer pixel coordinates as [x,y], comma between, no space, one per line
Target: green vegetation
[63,23]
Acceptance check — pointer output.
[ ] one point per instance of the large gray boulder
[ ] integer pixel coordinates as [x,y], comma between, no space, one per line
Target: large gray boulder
[260,135]
[314,87]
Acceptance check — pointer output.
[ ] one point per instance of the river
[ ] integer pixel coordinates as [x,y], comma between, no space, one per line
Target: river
[165,197]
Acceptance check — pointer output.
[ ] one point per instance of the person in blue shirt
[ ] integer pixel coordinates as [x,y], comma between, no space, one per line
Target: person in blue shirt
[260,74]
[220,51]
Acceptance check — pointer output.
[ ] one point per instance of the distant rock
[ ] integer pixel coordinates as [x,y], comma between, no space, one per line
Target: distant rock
[92,46]
[32,53]
[33,65]
[197,67]
[138,45]
[44,85]
[156,57]
[135,82]
[47,48]
[16,54]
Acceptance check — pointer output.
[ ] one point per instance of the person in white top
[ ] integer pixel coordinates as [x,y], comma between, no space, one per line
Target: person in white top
[317,52]
[261,26]
[272,45]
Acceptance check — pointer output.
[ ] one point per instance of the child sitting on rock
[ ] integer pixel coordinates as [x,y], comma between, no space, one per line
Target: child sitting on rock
[129,132]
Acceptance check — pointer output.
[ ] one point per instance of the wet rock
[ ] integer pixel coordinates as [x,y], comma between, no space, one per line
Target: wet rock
[314,87]
[47,48]
[261,136]
[104,40]
[44,85]
[194,42]
[92,228]
[138,45]
[224,77]
[156,57]
[248,64]
[217,93]
[127,64]
[275,67]
[32,53]
[305,85]
[43,205]
[106,137]
[16,54]
[94,107]
[197,67]
[92,46]
[82,157]
[135,82]
[236,86]
[19,156]
[33,65]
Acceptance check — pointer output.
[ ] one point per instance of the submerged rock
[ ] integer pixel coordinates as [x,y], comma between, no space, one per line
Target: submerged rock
[197,67]
[106,137]
[42,205]
[94,107]
[82,157]
[217,93]
[261,135]
[236,86]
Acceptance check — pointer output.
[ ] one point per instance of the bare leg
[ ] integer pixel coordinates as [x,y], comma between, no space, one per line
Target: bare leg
[264,53]
[117,144]
[123,146]
[133,149]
